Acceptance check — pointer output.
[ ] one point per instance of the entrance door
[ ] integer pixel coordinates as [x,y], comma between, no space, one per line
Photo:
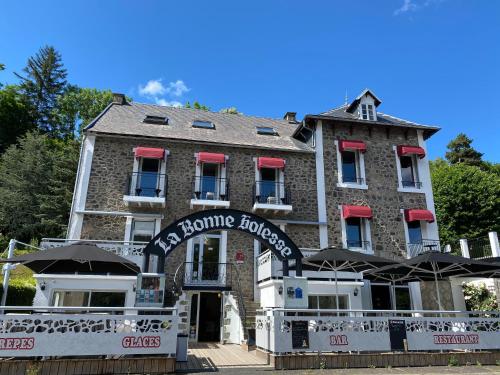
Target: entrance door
[210,315]
[206,258]
[381,297]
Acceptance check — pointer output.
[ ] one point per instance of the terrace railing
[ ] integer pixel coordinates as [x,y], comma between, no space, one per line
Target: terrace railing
[211,188]
[271,192]
[147,184]
[423,246]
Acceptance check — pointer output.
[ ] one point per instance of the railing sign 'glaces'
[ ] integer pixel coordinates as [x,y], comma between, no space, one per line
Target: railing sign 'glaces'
[221,219]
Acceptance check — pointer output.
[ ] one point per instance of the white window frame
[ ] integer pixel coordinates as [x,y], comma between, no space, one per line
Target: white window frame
[129,226]
[347,295]
[416,162]
[90,291]
[280,173]
[360,169]
[366,234]
[392,292]
[222,173]
[423,228]
[162,170]
[368,101]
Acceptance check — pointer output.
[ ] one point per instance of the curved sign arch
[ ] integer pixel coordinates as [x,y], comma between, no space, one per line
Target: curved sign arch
[222,219]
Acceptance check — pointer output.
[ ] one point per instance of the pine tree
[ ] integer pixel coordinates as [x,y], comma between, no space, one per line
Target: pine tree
[461,151]
[43,81]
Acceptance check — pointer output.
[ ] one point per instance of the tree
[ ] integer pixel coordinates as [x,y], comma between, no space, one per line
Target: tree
[467,200]
[197,105]
[479,298]
[231,110]
[43,81]
[461,151]
[15,116]
[36,180]
[77,107]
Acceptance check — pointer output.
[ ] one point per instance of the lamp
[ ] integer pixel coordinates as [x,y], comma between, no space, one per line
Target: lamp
[356,292]
[280,290]
[43,285]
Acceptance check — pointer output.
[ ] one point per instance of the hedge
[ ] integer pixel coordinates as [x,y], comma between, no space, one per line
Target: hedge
[20,293]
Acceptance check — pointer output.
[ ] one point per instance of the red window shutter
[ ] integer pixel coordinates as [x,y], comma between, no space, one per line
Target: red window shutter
[357,211]
[419,215]
[149,152]
[264,162]
[209,157]
[352,146]
[411,150]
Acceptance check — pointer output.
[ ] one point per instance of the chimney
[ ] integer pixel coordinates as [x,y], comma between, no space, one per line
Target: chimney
[290,117]
[119,99]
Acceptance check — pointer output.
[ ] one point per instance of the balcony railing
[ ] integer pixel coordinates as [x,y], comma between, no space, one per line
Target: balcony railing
[211,188]
[146,184]
[207,274]
[353,180]
[423,246]
[271,192]
[411,184]
[358,245]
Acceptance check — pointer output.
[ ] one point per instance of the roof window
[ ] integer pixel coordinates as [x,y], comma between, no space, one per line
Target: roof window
[264,130]
[158,120]
[203,124]
[367,112]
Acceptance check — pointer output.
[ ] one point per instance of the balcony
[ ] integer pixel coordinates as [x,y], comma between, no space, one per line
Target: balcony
[206,275]
[146,189]
[271,196]
[362,246]
[129,250]
[424,246]
[210,192]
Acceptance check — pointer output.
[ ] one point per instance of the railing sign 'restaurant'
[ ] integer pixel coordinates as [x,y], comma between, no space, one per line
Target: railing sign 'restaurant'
[222,219]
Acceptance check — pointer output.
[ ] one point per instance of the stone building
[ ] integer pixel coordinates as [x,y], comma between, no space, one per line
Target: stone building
[350,177]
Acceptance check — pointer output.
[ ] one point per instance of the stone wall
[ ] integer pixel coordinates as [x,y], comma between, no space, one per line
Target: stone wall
[387,228]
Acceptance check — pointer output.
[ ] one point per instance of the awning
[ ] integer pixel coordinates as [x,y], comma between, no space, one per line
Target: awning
[209,157]
[352,146]
[264,162]
[357,211]
[149,152]
[411,150]
[417,215]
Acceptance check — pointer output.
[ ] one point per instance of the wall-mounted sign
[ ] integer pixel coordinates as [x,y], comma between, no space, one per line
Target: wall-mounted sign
[239,257]
[150,289]
[295,293]
[300,334]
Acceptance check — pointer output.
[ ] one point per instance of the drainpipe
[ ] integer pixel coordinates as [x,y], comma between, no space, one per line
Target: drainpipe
[72,210]
[6,274]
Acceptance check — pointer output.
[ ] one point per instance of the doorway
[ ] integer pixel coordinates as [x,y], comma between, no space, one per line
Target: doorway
[206,259]
[381,297]
[209,317]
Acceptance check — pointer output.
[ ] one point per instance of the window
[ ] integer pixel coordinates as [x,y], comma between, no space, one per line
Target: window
[148,178]
[263,130]
[157,120]
[209,181]
[414,232]
[367,112]
[409,178]
[355,224]
[203,124]
[349,167]
[142,231]
[268,185]
[354,232]
[77,298]
[402,298]
[327,302]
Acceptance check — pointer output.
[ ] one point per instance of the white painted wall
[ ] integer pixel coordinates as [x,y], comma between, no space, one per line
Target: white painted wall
[233,331]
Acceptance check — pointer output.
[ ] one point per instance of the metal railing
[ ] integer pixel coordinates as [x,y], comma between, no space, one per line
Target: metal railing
[207,274]
[211,188]
[146,184]
[355,244]
[411,184]
[480,248]
[353,180]
[424,246]
[271,192]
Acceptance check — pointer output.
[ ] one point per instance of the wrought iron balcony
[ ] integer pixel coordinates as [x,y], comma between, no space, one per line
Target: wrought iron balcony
[423,246]
[210,188]
[207,274]
[146,184]
[411,184]
[271,193]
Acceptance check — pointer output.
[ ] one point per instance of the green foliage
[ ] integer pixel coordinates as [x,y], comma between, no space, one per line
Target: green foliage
[197,105]
[20,293]
[44,80]
[479,298]
[461,151]
[467,200]
[453,361]
[15,116]
[77,107]
[36,183]
[230,110]
[2,67]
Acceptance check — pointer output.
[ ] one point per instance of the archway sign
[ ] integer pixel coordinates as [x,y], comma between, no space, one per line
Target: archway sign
[223,219]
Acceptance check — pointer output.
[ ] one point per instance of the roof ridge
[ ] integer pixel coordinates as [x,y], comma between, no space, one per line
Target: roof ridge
[204,111]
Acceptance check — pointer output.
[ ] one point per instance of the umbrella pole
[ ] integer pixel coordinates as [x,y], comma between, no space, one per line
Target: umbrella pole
[437,288]
[336,291]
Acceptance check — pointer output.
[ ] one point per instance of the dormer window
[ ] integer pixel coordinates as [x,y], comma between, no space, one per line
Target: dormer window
[203,124]
[367,112]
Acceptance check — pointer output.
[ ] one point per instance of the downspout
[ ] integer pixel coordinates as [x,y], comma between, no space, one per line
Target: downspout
[71,213]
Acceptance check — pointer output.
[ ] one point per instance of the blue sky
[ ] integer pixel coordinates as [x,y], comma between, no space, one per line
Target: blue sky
[430,61]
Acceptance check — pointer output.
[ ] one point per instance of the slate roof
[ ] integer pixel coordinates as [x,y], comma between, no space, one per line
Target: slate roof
[230,129]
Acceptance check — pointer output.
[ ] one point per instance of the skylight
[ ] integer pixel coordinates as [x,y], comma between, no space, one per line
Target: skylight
[203,124]
[158,120]
[264,130]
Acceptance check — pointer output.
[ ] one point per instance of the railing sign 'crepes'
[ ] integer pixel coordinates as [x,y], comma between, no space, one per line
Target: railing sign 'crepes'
[87,334]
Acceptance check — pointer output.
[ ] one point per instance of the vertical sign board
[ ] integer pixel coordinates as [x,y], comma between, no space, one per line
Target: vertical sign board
[295,292]
[300,334]
[397,333]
